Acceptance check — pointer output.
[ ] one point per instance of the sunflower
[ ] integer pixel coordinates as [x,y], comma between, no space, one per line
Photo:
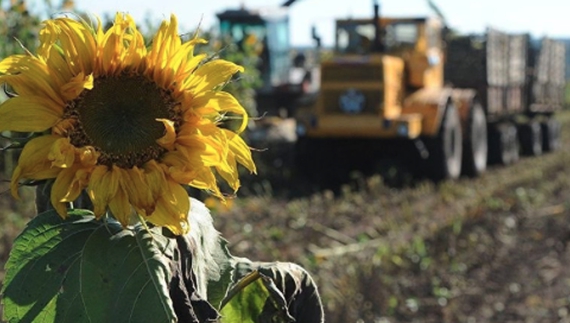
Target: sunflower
[130,124]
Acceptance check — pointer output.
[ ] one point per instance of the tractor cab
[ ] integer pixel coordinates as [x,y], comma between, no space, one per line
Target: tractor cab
[267,31]
[416,41]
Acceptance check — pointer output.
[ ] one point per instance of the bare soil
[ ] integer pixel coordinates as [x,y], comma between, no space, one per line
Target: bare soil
[489,249]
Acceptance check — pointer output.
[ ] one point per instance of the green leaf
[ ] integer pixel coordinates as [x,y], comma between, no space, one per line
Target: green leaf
[82,270]
[253,300]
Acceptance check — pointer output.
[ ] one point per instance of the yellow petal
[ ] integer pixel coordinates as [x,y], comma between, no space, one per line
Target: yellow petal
[34,163]
[132,48]
[103,186]
[138,191]
[51,54]
[31,75]
[111,47]
[120,207]
[179,167]
[78,43]
[155,178]
[212,74]
[182,63]
[66,188]
[27,114]
[206,180]
[219,102]
[15,182]
[205,143]
[166,42]
[27,85]
[167,141]
[184,72]
[172,209]
[200,150]
[165,45]
[62,153]
[242,152]
[88,155]
[76,85]
[229,172]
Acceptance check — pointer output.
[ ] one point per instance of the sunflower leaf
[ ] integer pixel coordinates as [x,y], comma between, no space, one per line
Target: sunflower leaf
[81,270]
[246,291]
[271,292]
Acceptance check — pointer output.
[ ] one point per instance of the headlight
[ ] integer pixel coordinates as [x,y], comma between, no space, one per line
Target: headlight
[300,129]
[403,129]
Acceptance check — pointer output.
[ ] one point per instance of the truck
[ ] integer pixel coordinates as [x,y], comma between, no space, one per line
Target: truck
[285,79]
[446,104]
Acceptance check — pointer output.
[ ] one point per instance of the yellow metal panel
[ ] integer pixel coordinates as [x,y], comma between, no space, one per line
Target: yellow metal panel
[356,85]
[366,127]
[393,92]
[430,103]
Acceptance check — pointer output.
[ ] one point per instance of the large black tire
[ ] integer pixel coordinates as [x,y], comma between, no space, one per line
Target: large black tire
[530,135]
[551,129]
[445,150]
[315,162]
[503,144]
[306,157]
[475,147]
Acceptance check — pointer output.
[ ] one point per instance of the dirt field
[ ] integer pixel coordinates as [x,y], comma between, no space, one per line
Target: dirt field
[491,249]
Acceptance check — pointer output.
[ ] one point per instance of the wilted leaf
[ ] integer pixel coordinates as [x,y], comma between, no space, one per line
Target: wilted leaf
[251,300]
[271,292]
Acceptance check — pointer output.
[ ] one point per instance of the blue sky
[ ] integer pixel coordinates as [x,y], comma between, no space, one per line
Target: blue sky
[544,17]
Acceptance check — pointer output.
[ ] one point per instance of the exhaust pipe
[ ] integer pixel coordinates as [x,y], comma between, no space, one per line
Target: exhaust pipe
[378,46]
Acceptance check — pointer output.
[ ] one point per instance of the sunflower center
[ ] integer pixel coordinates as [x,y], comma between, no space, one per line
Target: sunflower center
[118,117]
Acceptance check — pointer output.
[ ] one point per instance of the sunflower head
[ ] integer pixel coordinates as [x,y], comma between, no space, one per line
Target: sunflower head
[130,124]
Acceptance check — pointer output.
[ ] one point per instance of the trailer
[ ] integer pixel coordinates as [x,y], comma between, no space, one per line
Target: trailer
[520,84]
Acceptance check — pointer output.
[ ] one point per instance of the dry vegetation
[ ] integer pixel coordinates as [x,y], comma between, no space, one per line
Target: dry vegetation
[491,249]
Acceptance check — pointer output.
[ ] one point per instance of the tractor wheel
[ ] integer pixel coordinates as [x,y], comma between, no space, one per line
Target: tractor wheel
[475,149]
[530,136]
[315,162]
[550,135]
[503,144]
[306,162]
[445,150]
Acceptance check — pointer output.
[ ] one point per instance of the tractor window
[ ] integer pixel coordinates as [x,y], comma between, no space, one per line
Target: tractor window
[401,36]
[354,38]
[278,41]
[433,36]
[278,35]
[243,32]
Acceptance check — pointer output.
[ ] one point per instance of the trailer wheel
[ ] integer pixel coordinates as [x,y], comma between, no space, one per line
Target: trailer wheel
[550,135]
[503,144]
[475,148]
[445,150]
[530,135]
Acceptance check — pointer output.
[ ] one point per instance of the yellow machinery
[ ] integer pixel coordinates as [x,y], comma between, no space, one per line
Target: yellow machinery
[387,86]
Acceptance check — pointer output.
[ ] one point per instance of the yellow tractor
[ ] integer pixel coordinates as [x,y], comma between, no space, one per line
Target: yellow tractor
[388,87]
